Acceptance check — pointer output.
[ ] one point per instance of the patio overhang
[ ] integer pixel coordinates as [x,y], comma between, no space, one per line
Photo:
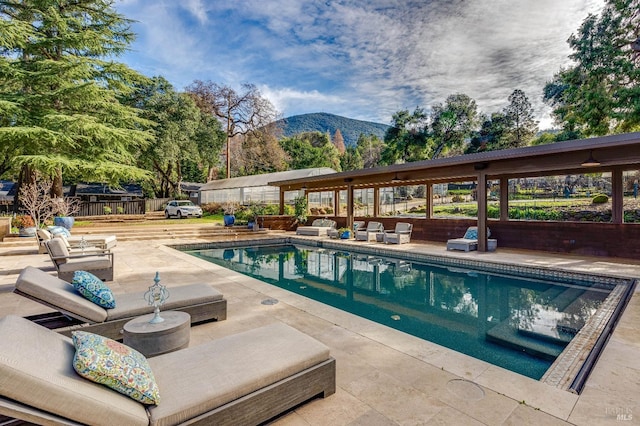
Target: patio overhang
[613,153]
[562,157]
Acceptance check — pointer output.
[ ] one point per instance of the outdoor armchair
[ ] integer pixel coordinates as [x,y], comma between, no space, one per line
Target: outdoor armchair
[99,264]
[401,234]
[372,232]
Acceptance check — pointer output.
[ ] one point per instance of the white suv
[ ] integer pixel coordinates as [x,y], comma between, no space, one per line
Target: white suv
[182,208]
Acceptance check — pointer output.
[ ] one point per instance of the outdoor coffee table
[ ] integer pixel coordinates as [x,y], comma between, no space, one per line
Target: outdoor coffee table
[159,338]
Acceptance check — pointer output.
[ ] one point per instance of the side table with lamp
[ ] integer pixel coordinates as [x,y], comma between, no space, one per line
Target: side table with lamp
[154,334]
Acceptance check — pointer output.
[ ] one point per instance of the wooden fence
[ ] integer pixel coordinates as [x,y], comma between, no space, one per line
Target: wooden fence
[97,208]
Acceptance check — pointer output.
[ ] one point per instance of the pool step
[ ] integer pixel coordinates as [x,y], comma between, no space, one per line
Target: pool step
[540,346]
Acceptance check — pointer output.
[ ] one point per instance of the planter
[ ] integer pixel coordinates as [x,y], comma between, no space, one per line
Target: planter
[345,235]
[64,221]
[229,220]
[27,232]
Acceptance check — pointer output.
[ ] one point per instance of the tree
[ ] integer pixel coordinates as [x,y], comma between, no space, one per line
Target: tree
[338,141]
[239,112]
[406,139]
[60,96]
[176,145]
[522,126]
[261,152]
[351,159]
[370,148]
[491,135]
[309,150]
[598,95]
[452,123]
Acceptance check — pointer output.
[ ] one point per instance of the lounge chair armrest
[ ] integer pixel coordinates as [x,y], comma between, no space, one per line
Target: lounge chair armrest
[80,256]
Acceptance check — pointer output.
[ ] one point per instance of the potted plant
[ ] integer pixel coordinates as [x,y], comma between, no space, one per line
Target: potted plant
[255,210]
[64,209]
[344,233]
[300,207]
[229,209]
[26,225]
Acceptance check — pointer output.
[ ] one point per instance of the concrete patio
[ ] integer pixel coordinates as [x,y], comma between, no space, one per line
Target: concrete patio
[385,377]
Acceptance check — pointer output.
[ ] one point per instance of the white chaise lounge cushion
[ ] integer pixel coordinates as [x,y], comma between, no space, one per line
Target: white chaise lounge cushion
[36,369]
[236,365]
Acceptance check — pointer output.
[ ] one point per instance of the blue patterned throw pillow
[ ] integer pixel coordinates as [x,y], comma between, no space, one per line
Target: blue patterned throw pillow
[115,365]
[93,289]
[55,230]
[471,234]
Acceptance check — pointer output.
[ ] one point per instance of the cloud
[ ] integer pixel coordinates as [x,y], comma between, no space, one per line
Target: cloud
[363,60]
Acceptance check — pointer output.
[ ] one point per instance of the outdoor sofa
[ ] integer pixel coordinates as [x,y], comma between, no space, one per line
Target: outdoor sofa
[318,227]
[201,301]
[241,379]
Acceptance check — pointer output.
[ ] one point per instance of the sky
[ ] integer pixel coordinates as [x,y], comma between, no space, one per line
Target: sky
[362,59]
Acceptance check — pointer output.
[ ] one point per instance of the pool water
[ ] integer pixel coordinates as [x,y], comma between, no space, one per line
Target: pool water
[517,323]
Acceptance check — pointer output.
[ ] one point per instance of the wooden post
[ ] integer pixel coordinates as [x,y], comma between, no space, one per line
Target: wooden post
[281,201]
[617,196]
[504,198]
[429,200]
[481,194]
[376,202]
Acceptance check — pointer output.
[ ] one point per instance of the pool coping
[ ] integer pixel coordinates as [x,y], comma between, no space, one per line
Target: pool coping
[571,368]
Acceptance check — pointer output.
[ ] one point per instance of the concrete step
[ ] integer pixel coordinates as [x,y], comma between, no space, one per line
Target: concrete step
[146,232]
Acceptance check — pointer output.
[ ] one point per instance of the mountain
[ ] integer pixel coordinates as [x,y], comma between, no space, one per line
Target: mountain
[323,122]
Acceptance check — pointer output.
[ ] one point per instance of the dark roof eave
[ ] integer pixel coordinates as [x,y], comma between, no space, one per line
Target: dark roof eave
[602,142]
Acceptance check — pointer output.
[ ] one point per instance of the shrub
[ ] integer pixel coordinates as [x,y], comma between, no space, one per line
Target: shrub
[23,221]
[120,210]
[212,208]
[600,199]
[107,210]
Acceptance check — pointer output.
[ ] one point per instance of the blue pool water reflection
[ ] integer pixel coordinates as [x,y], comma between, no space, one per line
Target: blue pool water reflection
[517,323]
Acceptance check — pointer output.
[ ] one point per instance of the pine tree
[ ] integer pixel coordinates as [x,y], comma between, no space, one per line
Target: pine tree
[338,141]
[60,108]
[522,126]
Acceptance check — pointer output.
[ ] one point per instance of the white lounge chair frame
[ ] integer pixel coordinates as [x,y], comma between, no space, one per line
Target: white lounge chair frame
[372,232]
[318,227]
[469,241]
[400,235]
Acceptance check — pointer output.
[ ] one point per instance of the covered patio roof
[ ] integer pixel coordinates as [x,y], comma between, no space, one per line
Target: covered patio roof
[562,157]
[614,154]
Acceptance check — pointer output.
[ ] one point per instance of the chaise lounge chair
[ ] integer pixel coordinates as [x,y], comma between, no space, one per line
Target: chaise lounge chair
[201,301]
[243,379]
[373,232]
[401,234]
[470,241]
[318,227]
[104,242]
[99,264]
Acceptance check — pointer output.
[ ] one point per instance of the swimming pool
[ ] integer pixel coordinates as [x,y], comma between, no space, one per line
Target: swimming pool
[523,322]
